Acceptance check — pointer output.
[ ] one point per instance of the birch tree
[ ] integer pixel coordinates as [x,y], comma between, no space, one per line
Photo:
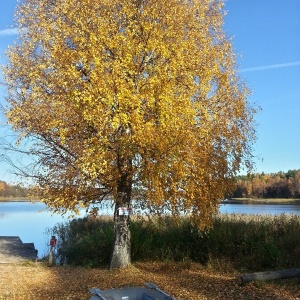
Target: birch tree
[138,101]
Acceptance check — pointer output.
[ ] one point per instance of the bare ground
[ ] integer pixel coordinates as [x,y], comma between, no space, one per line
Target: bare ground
[183,281]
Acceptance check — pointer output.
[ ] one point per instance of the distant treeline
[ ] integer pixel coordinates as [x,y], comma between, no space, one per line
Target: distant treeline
[259,185]
[8,190]
[275,185]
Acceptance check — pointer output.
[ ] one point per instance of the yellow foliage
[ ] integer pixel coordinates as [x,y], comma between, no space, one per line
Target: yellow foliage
[140,93]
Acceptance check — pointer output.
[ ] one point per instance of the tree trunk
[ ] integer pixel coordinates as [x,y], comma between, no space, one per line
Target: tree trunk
[270,275]
[121,256]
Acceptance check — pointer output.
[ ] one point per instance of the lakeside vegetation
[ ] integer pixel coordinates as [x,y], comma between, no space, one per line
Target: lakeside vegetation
[239,242]
[262,201]
[14,199]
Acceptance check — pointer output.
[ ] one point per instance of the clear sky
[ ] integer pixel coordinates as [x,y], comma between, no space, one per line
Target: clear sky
[266,39]
[266,35]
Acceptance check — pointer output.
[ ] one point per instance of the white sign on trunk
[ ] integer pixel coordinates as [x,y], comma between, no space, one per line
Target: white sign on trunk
[125,211]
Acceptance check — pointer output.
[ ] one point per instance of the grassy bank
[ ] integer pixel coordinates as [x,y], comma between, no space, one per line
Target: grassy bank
[265,200]
[14,199]
[241,242]
[185,263]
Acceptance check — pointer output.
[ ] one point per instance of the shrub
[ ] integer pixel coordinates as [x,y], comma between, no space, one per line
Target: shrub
[84,241]
[245,241]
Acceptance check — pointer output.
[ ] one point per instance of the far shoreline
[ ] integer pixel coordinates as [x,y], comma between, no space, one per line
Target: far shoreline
[228,200]
[262,200]
[16,199]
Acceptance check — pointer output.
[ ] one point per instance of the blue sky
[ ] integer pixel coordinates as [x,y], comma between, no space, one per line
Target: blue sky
[266,39]
[266,36]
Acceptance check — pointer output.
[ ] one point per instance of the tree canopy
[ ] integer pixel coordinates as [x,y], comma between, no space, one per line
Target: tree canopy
[128,100]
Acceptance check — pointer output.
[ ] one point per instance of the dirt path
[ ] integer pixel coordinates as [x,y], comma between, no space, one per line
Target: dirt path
[185,282]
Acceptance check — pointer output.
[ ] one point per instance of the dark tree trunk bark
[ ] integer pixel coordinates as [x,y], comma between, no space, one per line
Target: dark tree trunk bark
[121,256]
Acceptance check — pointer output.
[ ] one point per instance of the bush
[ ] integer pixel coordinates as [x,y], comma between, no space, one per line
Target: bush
[84,241]
[247,242]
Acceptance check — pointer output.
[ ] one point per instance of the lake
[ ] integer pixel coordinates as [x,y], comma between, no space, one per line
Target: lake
[259,209]
[30,221]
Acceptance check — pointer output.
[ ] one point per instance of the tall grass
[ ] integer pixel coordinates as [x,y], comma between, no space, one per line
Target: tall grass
[245,241]
[256,242]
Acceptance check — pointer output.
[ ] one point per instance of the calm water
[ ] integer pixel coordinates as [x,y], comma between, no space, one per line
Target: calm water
[260,209]
[30,221]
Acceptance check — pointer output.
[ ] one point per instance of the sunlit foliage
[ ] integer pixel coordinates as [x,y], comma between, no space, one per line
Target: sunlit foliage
[275,185]
[127,100]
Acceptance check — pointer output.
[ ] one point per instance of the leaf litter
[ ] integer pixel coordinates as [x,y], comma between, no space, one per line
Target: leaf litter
[182,281]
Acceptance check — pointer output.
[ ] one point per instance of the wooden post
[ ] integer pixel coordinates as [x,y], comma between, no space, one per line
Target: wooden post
[51,253]
[270,275]
[51,256]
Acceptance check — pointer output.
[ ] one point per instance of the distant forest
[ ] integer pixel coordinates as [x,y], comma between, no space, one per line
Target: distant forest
[259,185]
[8,190]
[275,185]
